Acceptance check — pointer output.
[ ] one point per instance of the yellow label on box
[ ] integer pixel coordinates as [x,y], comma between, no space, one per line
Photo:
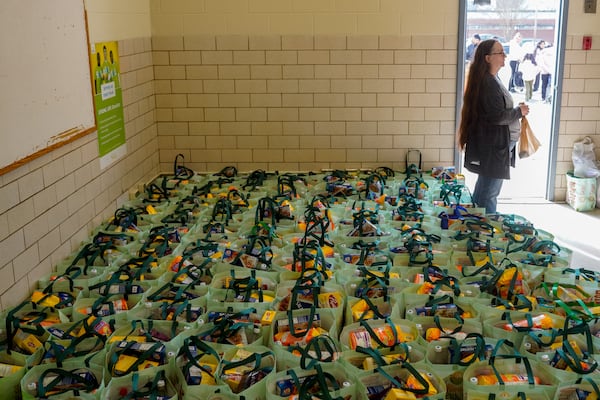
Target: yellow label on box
[268,317]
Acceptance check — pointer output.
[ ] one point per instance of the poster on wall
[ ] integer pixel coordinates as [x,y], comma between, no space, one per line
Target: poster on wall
[108,101]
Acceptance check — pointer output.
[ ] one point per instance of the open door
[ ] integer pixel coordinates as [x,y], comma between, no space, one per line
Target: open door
[541,27]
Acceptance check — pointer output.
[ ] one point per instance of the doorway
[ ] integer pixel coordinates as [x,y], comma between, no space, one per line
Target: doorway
[538,22]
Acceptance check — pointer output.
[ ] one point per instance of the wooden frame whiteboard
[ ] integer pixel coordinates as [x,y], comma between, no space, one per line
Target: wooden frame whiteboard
[46,97]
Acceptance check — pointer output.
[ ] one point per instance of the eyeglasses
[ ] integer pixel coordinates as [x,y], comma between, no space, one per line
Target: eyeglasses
[500,52]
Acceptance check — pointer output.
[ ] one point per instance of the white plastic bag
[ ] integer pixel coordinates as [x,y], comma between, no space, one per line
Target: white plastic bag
[584,159]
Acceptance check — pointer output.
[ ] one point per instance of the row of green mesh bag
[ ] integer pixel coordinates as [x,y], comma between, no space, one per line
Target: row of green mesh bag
[360,284]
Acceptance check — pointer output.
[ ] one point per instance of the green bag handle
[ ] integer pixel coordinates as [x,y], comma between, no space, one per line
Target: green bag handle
[125,218]
[136,267]
[488,266]
[584,274]
[324,348]
[286,186]
[222,211]
[311,317]
[402,385]
[319,385]
[62,353]
[229,171]
[388,321]
[225,328]
[386,172]
[413,169]
[179,308]
[266,206]
[589,380]
[149,391]
[373,308]
[545,247]
[200,246]
[156,194]
[14,322]
[195,272]
[157,243]
[523,245]
[378,357]
[254,358]
[478,354]
[202,349]
[518,303]
[83,384]
[89,329]
[438,323]
[89,253]
[570,356]
[245,287]
[303,254]
[181,172]
[255,179]
[518,359]
[139,361]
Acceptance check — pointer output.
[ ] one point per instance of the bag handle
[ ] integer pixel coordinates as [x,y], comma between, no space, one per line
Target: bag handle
[44,386]
[319,385]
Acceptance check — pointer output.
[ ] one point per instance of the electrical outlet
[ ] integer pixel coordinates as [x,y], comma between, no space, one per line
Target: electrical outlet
[589,6]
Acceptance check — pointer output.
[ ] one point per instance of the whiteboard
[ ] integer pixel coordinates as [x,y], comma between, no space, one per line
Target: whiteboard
[45,87]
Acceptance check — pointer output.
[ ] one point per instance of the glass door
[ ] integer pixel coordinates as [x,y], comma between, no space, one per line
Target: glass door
[537,26]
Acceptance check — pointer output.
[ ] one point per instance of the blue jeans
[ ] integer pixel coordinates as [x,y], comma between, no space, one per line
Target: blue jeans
[486,193]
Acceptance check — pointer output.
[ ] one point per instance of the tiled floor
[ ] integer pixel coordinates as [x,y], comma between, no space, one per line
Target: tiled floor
[578,231]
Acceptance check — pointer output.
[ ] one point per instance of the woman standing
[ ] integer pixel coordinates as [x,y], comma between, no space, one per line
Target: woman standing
[490,124]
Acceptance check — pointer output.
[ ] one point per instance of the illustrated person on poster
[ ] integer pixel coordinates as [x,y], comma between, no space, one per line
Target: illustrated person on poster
[106,68]
[490,125]
[113,69]
[97,75]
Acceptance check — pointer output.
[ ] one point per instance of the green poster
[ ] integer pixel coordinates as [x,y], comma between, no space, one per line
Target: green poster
[108,100]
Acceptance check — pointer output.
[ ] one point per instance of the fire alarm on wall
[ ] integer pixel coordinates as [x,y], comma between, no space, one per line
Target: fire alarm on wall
[587,43]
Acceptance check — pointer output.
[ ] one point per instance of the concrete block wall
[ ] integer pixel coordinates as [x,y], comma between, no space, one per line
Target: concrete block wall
[304,102]
[50,206]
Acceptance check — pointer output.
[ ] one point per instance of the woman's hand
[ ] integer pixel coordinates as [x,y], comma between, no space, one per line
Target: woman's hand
[524,109]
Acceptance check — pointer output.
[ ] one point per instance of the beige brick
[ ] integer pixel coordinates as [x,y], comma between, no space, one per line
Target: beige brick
[439,114]
[576,128]
[440,85]
[448,100]
[158,58]
[281,57]
[329,100]
[167,43]
[392,42]
[330,42]
[429,42]
[314,114]
[204,42]
[441,57]
[298,71]
[251,114]
[282,86]
[221,142]
[362,42]
[237,155]
[284,142]
[201,72]
[378,114]
[409,141]
[345,114]
[392,100]
[378,142]
[282,114]
[439,142]
[361,128]
[583,99]
[314,86]
[219,86]
[409,57]
[184,57]
[392,127]
[265,42]
[362,71]
[330,71]
[409,114]
[426,71]
[249,57]
[361,155]
[20,215]
[378,85]
[234,72]
[378,57]
[53,171]
[253,142]
[219,114]
[265,100]
[217,57]
[298,128]
[190,142]
[206,155]
[346,86]
[588,113]
[164,142]
[423,100]
[265,72]
[250,86]
[188,114]
[297,42]
[345,57]
[297,100]
[232,42]
[300,155]
[203,100]
[575,85]
[204,128]
[242,128]
[313,57]
[272,155]
[171,100]
[361,100]
[330,128]
[311,142]
[163,114]
[346,142]
[423,128]
[169,72]
[234,100]
[267,128]
[187,86]
[330,155]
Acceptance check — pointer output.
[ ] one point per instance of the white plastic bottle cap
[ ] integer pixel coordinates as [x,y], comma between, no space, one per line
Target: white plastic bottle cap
[438,349]
[346,384]
[473,379]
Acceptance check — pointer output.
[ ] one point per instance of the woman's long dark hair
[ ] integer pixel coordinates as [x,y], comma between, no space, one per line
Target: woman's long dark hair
[471,99]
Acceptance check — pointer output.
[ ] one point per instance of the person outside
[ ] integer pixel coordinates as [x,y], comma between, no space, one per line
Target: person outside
[490,125]
[546,65]
[529,70]
[538,48]
[515,55]
[475,40]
